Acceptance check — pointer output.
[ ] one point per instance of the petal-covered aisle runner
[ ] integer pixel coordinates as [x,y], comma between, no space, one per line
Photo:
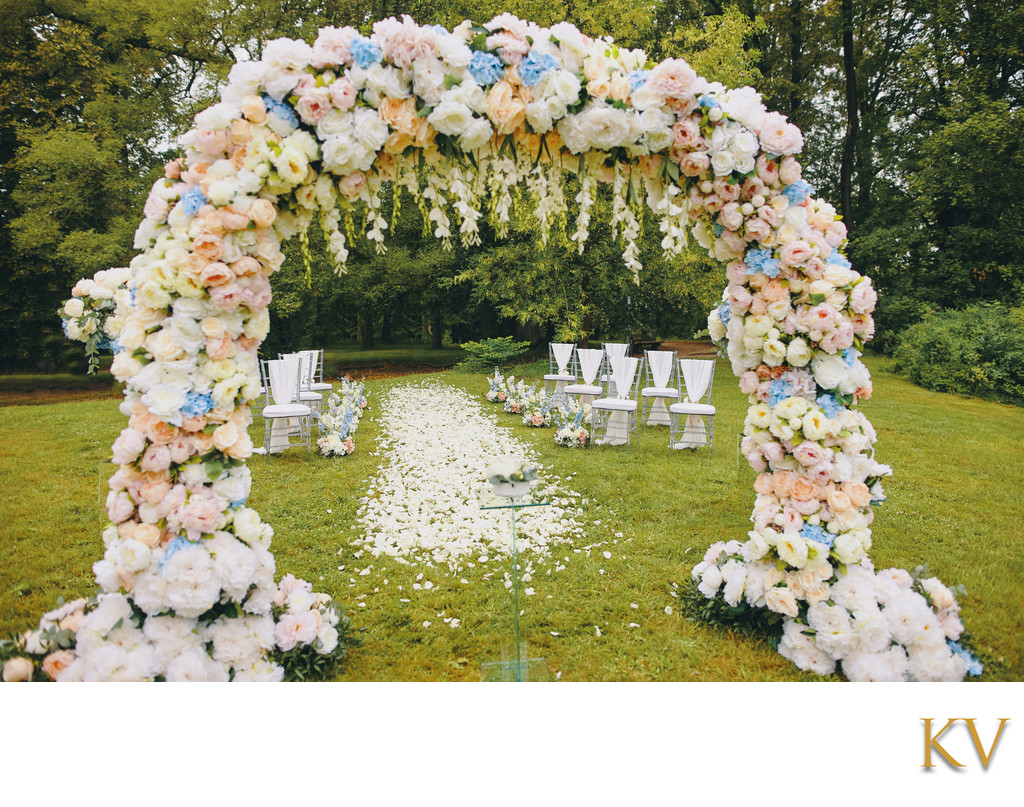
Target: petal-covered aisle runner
[423,506]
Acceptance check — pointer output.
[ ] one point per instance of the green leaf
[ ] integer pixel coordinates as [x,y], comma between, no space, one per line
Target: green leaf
[214,468]
[480,41]
[451,81]
[424,112]
[816,299]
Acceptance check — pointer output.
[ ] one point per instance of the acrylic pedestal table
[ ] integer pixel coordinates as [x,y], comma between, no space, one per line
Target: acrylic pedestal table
[516,665]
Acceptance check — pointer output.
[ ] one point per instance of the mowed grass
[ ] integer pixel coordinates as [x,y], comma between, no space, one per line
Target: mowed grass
[955,502]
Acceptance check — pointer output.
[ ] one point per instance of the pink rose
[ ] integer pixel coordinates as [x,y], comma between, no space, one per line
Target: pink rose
[779,136]
[313,104]
[795,253]
[220,347]
[686,135]
[156,208]
[752,186]
[863,325]
[836,233]
[172,169]
[343,94]
[731,218]
[227,297]
[351,184]
[128,445]
[792,521]
[332,46]
[694,163]
[232,221]
[295,629]
[822,317]
[739,299]
[863,297]
[757,230]
[212,143]
[769,215]
[773,452]
[181,449]
[674,81]
[246,265]
[154,490]
[789,171]
[767,170]
[119,507]
[728,191]
[736,273]
[156,458]
[809,453]
[749,382]
[820,473]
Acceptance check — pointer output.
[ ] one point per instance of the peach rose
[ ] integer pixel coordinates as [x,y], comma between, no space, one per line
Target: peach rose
[230,220]
[783,482]
[838,501]
[225,436]
[803,490]
[55,663]
[401,115]
[796,252]
[254,109]
[220,347]
[763,484]
[172,169]
[505,108]
[203,442]
[194,423]
[18,668]
[241,448]
[148,534]
[694,163]
[160,432]
[350,184]
[262,213]
[246,265]
[858,493]
[208,245]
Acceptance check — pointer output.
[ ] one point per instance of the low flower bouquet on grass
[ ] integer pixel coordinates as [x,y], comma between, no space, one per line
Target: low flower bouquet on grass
[519,396]
[340,421]
[571,432]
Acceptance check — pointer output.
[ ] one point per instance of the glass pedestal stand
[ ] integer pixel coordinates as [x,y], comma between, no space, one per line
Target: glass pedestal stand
[516,664]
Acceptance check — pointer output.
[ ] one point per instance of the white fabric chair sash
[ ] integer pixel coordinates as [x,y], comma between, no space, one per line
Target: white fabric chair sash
[563,354]
[661,366]
[696,375]
[615,349]
[590,363]
[623,374]
[283,373]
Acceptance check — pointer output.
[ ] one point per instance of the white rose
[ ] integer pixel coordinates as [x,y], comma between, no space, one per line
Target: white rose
[450,117]
[74,307]
[477,134]
[829,370]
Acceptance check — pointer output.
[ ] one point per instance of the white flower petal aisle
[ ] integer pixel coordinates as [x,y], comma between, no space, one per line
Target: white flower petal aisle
[423,503]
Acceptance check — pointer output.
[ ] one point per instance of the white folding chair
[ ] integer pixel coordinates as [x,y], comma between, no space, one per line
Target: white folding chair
[613,417]
[687,429]
[316,374]
[612,350]
[286,416]
[314,400]
[561,366]
[590,362]
[662,385]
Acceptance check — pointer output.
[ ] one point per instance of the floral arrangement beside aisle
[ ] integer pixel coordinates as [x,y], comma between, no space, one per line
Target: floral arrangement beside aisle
[338,424]
[97,311]
[496,392]
[519,396]
[571,432]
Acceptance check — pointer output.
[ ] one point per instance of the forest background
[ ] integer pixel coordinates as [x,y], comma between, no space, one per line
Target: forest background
[912,113]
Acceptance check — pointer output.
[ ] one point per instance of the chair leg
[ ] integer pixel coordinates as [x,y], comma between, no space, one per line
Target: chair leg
[266,438]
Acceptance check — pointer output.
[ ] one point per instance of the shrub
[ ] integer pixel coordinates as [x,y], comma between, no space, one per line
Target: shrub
[490,353]
[978,351]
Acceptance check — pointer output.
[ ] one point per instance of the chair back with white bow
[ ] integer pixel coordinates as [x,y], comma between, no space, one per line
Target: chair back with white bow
[613,417]
[287,415]
[310,392]
[687,427]
[611,350]
[590,362]
[562,366]
[662,386]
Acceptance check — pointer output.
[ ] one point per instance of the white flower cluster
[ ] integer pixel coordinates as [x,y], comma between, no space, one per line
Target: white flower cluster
[341,419]
[424,502]
[884,626]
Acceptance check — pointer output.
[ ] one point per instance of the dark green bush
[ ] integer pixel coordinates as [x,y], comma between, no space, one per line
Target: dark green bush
[974,351]
[490,353]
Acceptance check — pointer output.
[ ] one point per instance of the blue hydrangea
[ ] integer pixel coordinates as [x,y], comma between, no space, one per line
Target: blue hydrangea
[724,313]
[761,260]
[486,68]
[708,101]
[974,667]
[778,390]
[282,110]
[718,230]
[535,66]
[364,52]
[636,78]
[797,192]
[191,201]
[239,503]
[829,405]
[438,29]
[196,404]
[812,532]
[850,356]
[839,259]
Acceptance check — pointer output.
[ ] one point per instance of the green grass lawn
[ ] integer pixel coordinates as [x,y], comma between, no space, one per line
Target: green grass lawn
[955,502]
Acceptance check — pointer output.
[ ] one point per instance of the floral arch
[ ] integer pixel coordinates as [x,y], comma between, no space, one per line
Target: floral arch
[459,119]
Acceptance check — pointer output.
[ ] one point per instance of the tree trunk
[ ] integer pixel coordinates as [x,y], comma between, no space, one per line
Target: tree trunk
[366,326]
[850,141]
[386,337]
[436,330]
